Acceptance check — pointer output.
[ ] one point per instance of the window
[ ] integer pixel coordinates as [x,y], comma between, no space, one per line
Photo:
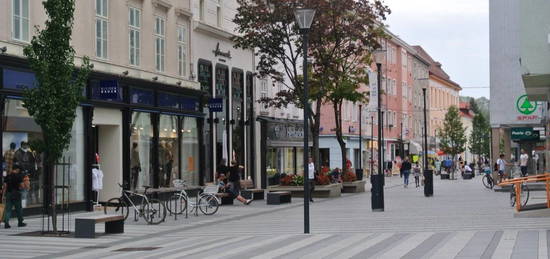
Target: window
[182,50]
[219,16]
[20,16]
[101,14]
[405,90]
[263,84]
[201,10]
[134,22]
[159,43]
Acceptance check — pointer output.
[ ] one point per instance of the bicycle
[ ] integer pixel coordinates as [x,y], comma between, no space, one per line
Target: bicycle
[152,210]
[488,180]
[207,201]
[524,195]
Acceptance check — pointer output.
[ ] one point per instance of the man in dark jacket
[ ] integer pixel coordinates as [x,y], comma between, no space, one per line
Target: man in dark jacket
[13,184]
[406,171]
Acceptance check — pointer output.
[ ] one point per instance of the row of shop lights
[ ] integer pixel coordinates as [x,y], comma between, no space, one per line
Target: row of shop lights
[173,130]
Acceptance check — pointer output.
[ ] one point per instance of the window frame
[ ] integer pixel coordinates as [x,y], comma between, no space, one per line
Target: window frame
[219,13]
[23,36]
[159,33]
[181,30]
[135,29]
[102,23]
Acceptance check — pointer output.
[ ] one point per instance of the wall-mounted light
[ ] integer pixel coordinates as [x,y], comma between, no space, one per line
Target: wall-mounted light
[125,73]
[91,65]
[3,49]
[178,83]
[155,78]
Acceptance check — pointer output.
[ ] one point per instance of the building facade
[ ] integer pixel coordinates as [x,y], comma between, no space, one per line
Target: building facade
[145,118]
[442,93]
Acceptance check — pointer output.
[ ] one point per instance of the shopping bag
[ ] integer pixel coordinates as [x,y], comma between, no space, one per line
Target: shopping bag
[2,207]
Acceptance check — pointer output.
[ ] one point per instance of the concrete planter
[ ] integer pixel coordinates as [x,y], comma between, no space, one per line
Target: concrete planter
[353,187]
[321,191]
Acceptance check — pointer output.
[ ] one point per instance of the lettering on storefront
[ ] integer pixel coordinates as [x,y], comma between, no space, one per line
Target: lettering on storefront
[218,52]
[285,132]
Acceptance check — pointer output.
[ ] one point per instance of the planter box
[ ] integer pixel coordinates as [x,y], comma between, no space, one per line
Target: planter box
[321,191]
[355,186]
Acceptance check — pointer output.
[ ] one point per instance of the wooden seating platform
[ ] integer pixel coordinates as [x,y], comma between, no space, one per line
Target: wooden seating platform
[85,226]
[276,198]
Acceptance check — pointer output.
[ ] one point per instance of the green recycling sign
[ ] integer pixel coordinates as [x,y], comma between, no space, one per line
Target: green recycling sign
[524,106]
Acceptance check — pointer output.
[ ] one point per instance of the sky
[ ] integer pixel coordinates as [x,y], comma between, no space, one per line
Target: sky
[453,32]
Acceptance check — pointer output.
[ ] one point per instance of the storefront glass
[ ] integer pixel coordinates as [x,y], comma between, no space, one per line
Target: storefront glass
[74,158]
[190,151]
[20,127]
[141,144]
[222,135]
[168,150]
[237,115]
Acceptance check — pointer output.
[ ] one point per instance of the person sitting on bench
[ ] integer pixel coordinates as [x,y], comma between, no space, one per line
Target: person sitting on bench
[235,183]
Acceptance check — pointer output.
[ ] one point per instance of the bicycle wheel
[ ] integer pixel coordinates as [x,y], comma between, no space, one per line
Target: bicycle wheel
[524,196]
[208,204]
[487,182]
[154,212]
[116,206]
[177,204]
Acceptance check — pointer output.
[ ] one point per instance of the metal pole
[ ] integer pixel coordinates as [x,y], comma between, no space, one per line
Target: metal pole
[371,144]
[379,71]
[425,132]
[360,166]
[401,146]
[306,138]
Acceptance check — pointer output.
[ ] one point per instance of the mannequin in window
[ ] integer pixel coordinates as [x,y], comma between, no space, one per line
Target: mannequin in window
[135,165]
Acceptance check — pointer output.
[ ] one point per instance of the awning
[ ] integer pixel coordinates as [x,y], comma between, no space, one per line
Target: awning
[415,148]
[537,86]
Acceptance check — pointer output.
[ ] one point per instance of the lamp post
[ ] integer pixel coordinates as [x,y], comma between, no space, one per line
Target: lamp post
[304,18]
[428,174]
[371,144]
[359,170]
[377,181]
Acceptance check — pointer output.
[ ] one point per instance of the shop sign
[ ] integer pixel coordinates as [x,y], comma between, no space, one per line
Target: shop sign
[524,106]
[18,80]
[218,52]
[108,89]
[215,104]
[525,133]
[285,132]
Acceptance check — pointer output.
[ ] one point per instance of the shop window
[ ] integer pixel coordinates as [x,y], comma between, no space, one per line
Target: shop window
[169,101]
[74,156]
[205,76]
[18,80]
[237,115]
[190,151]
[168,150]
[141,144]
[141,96]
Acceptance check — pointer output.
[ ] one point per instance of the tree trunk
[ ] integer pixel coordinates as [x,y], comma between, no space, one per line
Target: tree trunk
[337,106]
[315,134]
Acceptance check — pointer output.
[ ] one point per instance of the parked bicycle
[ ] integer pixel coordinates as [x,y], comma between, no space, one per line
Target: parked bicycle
[152,210]
[488,180]
[524,195]
[207,201]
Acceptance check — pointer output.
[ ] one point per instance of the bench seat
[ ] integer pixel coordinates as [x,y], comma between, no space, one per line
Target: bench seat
[276,198]
[85,226]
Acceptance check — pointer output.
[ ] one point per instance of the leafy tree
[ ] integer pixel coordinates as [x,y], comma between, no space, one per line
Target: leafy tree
[480,136]
[452,136]
[53,102]
[473,105]
[347,33]
[342,34]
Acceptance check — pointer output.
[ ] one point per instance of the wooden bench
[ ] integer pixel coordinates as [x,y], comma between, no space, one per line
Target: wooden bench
[275,198]
[85,226]
[249,192]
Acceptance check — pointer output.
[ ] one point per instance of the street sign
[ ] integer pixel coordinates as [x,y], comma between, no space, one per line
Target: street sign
[525,133]
[215,104]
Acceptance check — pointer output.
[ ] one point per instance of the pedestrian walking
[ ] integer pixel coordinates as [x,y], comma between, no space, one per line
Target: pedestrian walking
[406,171]
[311,178]
[235,183]
[523,159]
[416,172]
[501,167]
[14,184]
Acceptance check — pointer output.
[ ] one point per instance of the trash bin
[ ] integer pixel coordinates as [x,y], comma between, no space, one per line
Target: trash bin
[377,192]
[428,183]
[359,174]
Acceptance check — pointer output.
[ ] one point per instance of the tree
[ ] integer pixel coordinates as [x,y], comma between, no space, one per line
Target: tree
[53,102]
[347,33]
[452,136]
[480,137]
[269,28]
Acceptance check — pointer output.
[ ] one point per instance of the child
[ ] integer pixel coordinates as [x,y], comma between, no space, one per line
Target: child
[416,172]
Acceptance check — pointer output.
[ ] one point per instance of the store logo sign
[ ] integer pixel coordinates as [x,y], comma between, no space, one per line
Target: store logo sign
[524,106]
[108,89]
[215,105]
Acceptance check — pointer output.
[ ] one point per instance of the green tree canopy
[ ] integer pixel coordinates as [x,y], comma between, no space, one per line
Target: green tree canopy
[452,135]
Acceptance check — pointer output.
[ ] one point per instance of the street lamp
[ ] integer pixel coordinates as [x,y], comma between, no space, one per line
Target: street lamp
[428,174]
[377,180]
[304,18]
[359,170]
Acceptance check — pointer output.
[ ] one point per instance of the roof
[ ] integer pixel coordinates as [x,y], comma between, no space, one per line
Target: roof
[435,67]
[465,110]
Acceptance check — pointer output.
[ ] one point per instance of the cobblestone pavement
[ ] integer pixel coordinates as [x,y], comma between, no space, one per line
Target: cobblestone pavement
[461,220]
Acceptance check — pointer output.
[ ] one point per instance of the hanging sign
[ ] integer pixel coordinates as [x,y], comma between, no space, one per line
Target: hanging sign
[215,104]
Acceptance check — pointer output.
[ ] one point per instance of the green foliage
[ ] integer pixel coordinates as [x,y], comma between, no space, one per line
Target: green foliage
[480,137]
[452,135]
[298,180]
[60,85]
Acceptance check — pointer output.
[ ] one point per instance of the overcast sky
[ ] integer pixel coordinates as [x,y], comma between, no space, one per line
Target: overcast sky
[453,32]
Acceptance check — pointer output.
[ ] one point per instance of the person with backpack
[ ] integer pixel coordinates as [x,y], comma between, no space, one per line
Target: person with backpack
[406,170]
[416,172]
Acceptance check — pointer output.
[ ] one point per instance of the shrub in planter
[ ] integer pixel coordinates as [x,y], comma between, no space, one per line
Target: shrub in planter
[286,180]
[349,177]
[322,179]
[297,180]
